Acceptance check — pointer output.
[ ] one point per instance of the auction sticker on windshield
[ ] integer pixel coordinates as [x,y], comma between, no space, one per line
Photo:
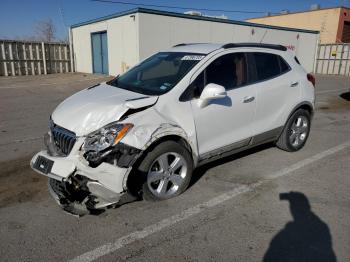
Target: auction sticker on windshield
[193,57]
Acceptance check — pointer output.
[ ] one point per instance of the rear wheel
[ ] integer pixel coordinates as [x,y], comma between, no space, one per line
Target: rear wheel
[295,132]
[168,169]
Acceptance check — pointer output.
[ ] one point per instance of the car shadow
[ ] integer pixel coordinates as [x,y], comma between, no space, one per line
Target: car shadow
[306,238]
[345,96]
[199,172]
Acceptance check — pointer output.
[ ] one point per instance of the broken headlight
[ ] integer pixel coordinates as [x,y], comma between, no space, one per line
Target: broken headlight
[105,137]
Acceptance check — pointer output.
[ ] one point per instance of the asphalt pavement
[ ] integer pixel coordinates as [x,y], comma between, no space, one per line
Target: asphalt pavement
[261,205]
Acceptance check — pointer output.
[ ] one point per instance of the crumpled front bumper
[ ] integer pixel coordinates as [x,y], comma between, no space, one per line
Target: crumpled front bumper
[105,184]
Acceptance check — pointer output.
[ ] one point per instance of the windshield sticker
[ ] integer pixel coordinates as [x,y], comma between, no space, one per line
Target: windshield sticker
[193,57]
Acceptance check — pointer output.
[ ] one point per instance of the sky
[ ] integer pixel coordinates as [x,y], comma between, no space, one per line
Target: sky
[18,17]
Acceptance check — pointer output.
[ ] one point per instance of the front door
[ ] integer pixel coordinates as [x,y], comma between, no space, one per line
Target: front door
[99,53]
[226,123]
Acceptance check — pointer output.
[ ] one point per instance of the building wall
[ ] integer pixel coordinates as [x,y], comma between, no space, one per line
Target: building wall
[325,20]
[344,18]
[158,32]
[122,41]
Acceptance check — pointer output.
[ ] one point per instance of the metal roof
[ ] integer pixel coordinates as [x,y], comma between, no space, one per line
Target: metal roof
[179,15]
[298,12]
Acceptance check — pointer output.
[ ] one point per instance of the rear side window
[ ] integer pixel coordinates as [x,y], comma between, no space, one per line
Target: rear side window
[269,65]
[284,66]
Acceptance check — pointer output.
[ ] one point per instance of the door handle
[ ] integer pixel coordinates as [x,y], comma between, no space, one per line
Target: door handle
[248,99]
[294,84]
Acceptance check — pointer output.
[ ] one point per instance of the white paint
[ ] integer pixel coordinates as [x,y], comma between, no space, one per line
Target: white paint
[91,109]
[123,241]
[332,91]
[157,227]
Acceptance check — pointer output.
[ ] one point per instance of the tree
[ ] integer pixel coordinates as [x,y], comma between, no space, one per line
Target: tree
[45,30]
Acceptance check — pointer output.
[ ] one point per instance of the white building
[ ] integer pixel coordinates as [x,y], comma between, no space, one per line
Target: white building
[112,44]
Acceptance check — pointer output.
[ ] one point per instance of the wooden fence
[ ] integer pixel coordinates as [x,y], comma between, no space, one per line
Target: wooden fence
[33,58]
[333,59]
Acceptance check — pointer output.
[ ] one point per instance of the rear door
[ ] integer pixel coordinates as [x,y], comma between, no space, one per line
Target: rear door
[277,90]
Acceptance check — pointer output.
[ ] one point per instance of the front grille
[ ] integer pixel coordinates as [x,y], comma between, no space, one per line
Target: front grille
[64,139]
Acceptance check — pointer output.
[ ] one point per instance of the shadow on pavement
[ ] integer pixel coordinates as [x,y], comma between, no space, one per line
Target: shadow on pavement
[201,170]
[345,96]
[306,238]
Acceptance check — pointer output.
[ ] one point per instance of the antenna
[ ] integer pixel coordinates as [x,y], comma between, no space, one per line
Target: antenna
[263,36]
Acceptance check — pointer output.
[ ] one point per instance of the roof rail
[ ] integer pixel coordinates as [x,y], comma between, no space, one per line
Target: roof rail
[270,46]
[183,44]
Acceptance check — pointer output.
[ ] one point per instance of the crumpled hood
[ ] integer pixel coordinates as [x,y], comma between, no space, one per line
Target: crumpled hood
[91,109]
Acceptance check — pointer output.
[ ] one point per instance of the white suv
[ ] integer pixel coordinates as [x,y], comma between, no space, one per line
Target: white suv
[143,133]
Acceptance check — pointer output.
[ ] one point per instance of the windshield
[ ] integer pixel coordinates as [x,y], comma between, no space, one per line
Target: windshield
[157,74]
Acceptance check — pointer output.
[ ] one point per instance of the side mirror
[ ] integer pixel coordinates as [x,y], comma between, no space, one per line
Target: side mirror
[211,92]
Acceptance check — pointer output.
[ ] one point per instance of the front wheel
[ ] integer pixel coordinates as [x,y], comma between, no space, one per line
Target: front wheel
[295,132]
[168,168]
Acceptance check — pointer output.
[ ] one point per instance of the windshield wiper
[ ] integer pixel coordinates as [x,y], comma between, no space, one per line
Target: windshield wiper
[113,82]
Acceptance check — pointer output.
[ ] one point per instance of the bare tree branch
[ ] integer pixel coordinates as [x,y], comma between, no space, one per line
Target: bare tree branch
[45,30]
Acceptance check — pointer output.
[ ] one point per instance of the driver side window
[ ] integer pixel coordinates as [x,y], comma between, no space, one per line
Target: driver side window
[229,71]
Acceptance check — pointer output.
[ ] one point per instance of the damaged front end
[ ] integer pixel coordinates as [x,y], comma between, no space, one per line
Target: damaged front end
[81,196]
[87,174]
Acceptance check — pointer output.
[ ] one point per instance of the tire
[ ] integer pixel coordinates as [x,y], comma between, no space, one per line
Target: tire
[295,132]
[168,162]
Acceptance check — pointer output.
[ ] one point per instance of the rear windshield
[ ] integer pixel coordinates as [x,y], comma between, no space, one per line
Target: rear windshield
[157,74]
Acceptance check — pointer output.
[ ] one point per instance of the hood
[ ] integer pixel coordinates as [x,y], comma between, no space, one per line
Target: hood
[95,107]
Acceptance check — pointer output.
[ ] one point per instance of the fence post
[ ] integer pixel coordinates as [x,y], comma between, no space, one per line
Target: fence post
[72,69]
[31,59]
[13,72]
[60,57]
[25,59]
[44,57]
[318,50]
[18,60]
[4,58]
[38,59]
[341,59]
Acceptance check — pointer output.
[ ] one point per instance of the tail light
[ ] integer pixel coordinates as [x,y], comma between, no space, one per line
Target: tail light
[312,79]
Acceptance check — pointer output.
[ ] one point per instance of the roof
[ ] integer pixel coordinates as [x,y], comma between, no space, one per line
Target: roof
[202,48]
[298,12]
[180,15]
[206,48]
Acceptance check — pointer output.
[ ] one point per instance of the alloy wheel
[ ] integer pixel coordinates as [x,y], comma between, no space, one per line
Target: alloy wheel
[299,131]
[167,174]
